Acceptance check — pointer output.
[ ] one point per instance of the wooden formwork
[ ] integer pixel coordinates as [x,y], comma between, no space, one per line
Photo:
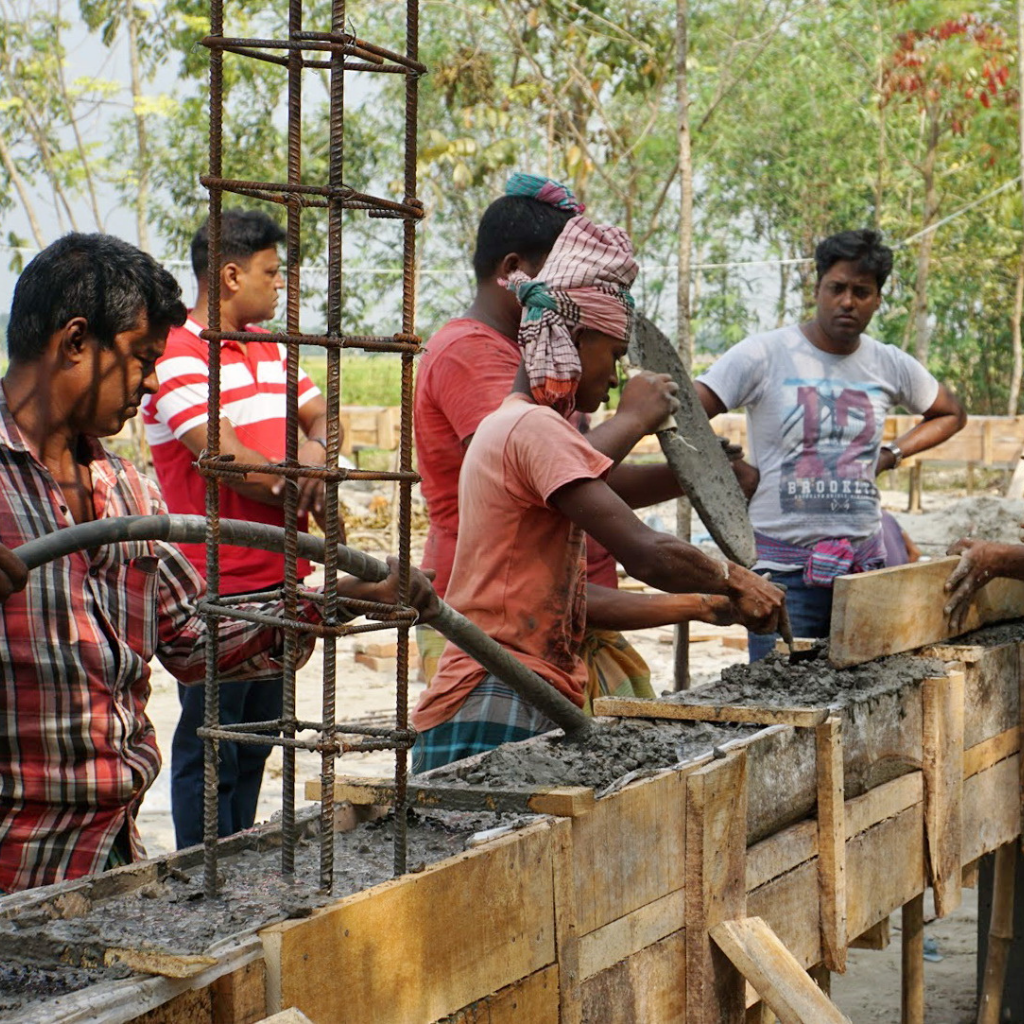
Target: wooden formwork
[685,897]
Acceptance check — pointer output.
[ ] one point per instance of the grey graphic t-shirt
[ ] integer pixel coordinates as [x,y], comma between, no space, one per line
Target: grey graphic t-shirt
[815,424]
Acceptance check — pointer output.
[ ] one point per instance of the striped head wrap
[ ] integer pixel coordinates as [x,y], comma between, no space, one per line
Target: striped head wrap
[584,284]
[544,190]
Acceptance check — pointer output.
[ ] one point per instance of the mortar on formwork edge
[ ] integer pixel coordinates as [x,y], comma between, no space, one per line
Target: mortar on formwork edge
[879,704]
[44,955]
[616,749]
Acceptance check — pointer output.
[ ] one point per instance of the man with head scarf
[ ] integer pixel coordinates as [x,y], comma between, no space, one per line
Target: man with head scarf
[467,371]
[530,486]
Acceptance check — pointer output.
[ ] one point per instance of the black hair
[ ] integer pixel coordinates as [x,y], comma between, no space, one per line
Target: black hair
[516,224]
[863,247]
[243,233]
[102,278]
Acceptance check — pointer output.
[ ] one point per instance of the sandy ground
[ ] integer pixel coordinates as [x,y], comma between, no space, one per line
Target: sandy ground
[870,989]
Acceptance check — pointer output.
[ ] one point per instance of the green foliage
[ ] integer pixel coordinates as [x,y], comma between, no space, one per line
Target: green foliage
[365,379]
[807,117]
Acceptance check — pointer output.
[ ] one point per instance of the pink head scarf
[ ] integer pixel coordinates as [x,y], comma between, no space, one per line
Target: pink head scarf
[584,284]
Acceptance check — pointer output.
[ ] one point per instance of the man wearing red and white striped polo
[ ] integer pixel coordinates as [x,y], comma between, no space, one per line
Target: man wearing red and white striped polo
[252,429]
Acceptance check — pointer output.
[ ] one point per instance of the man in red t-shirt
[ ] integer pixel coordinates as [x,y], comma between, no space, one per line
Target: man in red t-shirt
[467,371]
[252,430]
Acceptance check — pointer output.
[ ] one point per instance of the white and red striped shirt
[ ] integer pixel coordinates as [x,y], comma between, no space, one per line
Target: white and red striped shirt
[77,751]
[252,394]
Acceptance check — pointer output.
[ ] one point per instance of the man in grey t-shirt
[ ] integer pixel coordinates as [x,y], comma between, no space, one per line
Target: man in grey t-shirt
[816,397]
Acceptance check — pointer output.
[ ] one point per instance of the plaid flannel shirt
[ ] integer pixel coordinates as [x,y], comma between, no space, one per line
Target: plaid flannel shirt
[77,751]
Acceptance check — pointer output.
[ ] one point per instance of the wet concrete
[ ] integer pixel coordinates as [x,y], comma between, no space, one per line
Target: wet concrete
[42,957]
[615,749]
[815,683]
[992,636]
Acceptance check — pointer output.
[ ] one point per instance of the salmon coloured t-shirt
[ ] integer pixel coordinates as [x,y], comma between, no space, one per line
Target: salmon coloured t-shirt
[520,565]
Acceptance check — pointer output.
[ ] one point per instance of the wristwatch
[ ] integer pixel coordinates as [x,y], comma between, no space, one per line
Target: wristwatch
[897,453]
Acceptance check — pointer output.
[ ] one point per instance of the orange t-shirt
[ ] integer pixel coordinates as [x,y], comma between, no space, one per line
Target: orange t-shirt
[520,565]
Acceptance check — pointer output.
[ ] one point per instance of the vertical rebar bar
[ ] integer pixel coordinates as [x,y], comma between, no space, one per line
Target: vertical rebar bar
[405,443]
[291,490]
[333,398]
[211,714]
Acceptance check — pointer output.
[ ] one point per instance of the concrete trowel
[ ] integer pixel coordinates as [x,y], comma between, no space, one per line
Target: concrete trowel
[698,461]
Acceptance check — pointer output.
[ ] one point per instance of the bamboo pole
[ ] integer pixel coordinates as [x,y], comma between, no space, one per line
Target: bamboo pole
[912,949]
[1000,935]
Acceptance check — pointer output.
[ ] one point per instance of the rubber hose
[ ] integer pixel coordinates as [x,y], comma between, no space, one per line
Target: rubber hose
[180,529]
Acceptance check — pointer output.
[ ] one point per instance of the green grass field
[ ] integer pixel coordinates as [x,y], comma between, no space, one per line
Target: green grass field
[365,379]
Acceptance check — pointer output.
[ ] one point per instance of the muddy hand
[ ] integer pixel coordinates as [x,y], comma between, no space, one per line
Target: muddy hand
[422,596]
[650,398]
[757,602]
[978,562]
[13,573]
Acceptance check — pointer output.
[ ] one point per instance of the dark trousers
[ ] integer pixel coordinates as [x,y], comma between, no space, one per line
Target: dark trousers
[810,613]
[241,764]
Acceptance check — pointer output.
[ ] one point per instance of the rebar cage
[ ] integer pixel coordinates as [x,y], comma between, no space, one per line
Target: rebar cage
[338,53]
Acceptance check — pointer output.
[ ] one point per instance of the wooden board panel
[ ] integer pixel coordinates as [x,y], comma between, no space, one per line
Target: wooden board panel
[241,996]
[779,979]
[635,707]
[716,816]
[991,694]
[616,875]
[648,987]
[533,999]
[884,868]
[943,766]
[415,931]
[991,751]
[620,939]
[789,904]
[991,809]
[900,609]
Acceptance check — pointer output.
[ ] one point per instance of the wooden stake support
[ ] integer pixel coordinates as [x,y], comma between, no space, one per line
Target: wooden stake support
[912,960]
[715,861]
[1000,935]
[943,764]
[781,982]
[831,843]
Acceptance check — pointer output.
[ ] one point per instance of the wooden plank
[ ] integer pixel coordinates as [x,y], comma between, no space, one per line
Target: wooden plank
[772,857]
[991,809]
[900,609]
[789,904]
[241,996]
[716,831]
[882,803]
[943,765]
[832,843]
[878,936]
[615,877]
[414,932]
[885,868]
[532,998]
[648,987]
[636,707]
[563,801]
[567,943]
[781,982]
[984,755]
[620,939]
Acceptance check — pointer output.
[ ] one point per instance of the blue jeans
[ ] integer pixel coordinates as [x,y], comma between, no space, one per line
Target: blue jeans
[241,764]
[810,613]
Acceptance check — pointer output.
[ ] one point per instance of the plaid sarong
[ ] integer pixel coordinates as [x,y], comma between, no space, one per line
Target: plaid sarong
[614,667]
[827,559]
[491,715]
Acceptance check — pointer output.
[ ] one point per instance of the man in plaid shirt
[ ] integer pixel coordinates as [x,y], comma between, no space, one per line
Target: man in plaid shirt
[88,321]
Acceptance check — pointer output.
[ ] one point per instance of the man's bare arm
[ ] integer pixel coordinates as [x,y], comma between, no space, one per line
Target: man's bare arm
[944,418]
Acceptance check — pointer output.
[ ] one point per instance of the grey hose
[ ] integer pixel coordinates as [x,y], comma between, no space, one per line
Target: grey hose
[179,529]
